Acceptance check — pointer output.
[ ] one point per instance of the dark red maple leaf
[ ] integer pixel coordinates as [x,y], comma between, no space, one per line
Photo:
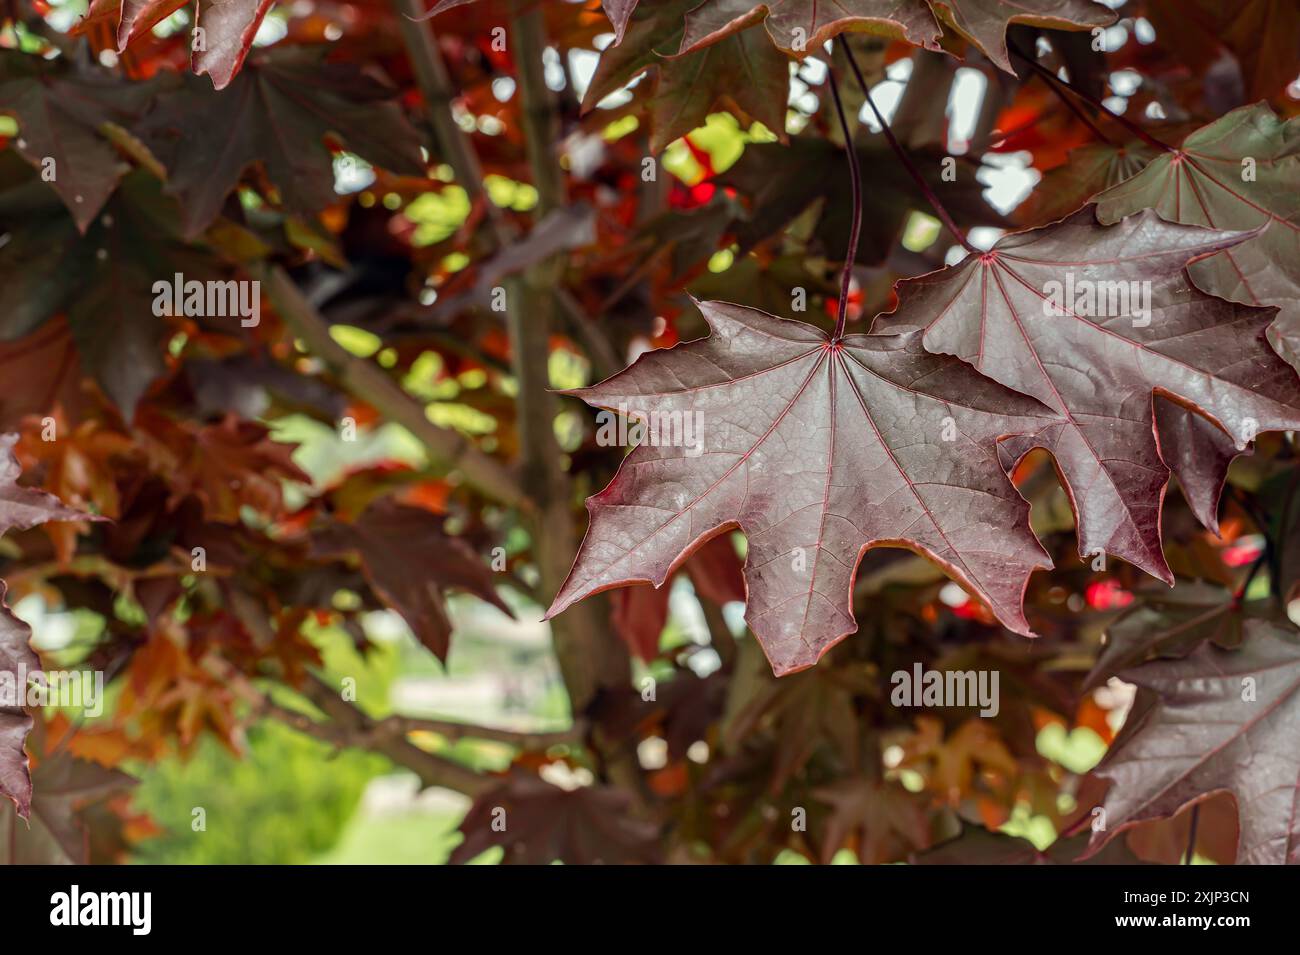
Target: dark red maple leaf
[408,560]
[979,846]
[127,19]
[1216,720]
[537,823]
[227,465]
[997,311]
[985,22]
[1065,189]
[101,281]
[1239,172]
[619,13]
[1263,35]
[816,450]
[782,182]
[41,371]
[1198,452]
[639,614]
[60,106]
[277,112]
[228,28]
[802,26]
[57,833]
[882,819]
[1172,624]
[16,657]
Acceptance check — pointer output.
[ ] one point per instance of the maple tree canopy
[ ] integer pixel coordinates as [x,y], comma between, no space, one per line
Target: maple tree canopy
[879,338]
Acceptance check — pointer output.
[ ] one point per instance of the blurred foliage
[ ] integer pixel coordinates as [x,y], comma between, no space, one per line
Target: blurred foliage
[285,802]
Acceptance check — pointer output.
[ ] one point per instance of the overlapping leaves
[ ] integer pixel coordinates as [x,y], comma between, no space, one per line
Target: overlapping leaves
[536,823]
[1239,172]
[228,29]
[802,26]
[912,484]
[783,182]
[102,280]
[60,107]
[408,560]
[277,112]
[20,508]
[825,448]
[713,52]
[743,71]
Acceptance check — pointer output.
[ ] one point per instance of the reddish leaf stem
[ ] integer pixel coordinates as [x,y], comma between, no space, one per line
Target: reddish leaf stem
[1077,110]
[855,177]
[903,157]
[1076,827]
[1239,594]
[1061,85]
[1191,835]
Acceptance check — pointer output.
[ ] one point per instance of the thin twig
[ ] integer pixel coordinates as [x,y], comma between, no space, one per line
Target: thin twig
[905,159]
[1076,109]
[1274,554]
[433,770]
[1240,593]
[452,730]
[1053,80]
[397,727]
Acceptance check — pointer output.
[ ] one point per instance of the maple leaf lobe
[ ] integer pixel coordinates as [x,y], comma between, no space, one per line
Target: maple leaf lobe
[800,27]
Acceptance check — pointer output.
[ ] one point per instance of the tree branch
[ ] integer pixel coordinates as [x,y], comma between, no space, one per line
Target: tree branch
[434,81]
[540,120]
[347,726]
[368,381]
[452,730]
[1058,84]
[586,661]
[719,633]
[397,727]
[432,769]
